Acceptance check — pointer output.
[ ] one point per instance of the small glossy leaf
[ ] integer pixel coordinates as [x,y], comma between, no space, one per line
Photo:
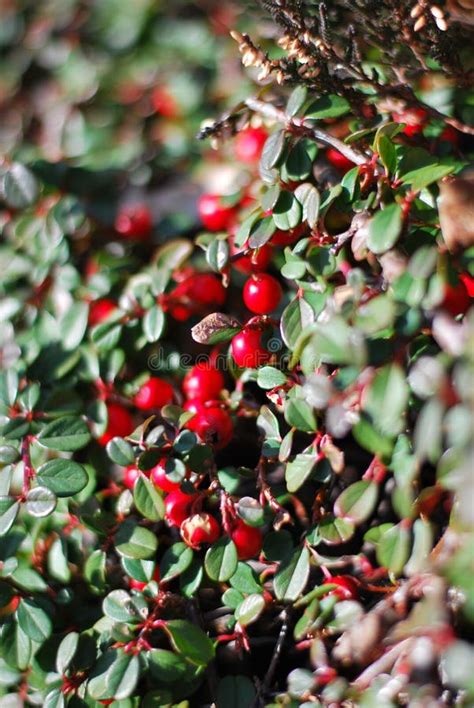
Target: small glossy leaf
[67,434]
[385,228]
[290,580]
[190,640]
[333,530]
[34,621]
[250,609]
[134,541]
[176,561]
[299,415]
[63,477]
[393,549]
[40,501]
[299,470]
[221,560]
[148,500]
[357,502]
[153,324]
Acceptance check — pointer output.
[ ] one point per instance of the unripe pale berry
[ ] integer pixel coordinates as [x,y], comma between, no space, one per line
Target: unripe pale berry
[247,349]
[262,293]
[154,393]
[200,528]
[120,423]
[203,382]
[247,539]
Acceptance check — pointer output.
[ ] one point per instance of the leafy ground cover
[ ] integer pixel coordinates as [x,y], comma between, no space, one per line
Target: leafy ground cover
[236,346]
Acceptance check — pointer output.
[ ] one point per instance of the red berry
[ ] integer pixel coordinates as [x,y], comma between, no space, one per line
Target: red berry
[339,160]
[200,528]
[159,478]
[130,476]
[120,423]
[468,281]
[99,310]
[205,289]
[249,144]
[177,507]
[203,382]
[247,349]
[213,425]
[154,393]
[324,675]
[262,293]
[247,539]
[255,261]
[450,135]
[134,221]
[164,103]
[456,298]
[415,119]
[287,238]
[347,587]
[215,215]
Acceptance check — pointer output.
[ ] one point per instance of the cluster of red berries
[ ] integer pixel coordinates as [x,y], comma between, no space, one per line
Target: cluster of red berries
[194,293]
[153,394]
[211,422]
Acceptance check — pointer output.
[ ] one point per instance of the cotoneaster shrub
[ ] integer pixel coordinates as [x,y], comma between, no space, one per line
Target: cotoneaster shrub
[236,453]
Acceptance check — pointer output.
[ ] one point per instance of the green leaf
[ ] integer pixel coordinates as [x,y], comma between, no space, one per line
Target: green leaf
[385,228]
[251,511]
[66,651]
[330,106]
[299,415]
[424,176]
[153,324]
[393,549]
[268,422]
[148,500]
[122,676]
[133,541]
[250,609]
[67,434]
[9,509]
[190,640]
[268,377]
[261,232]
[121,607]
[176,561]
[295,318]
[34,621]
[221,560]
[167,667]
[370,439]
[357,502]
[16,647]
[387,152]
[386,399]
[287,212]
[215,328]
[272,150]
[40,502]
[8,387]
[333,530]
[308,196]
[217,254]
[120,451]
[73,325]
[63,477]
[299,470]
[296,100]
[335,342]
[298,164]
[290,580]
[94,571]
[8,454]
[20,186]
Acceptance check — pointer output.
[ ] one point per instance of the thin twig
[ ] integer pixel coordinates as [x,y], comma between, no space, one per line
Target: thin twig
[267,681]
[271,112]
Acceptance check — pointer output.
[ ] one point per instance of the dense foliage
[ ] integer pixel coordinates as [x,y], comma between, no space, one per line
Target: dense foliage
[236,388]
